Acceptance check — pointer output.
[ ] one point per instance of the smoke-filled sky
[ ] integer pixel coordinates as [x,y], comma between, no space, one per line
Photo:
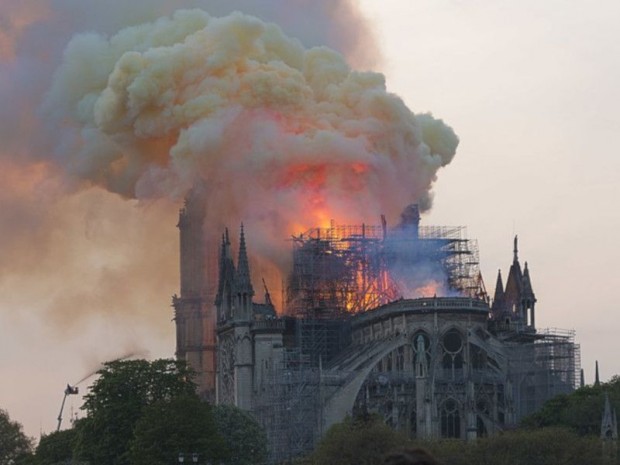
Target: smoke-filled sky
[103,127]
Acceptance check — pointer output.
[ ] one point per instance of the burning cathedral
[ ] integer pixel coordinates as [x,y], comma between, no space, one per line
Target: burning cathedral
[391,319]
[394,321]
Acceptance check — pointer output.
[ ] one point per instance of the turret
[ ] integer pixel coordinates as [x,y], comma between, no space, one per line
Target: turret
[516,302]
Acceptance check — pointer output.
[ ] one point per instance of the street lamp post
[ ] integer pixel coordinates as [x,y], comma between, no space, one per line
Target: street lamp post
[194,456]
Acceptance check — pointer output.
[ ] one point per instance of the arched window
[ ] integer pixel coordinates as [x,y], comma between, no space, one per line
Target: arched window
[452,343]
[450,419]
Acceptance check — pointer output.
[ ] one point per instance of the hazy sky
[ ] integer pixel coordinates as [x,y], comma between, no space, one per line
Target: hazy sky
[530,87]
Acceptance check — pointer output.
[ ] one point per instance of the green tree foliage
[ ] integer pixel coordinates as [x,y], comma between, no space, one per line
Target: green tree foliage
[547,446]
[363,440]
[245,440]
[356,442]
[15,446]
[169,427]
[581,411]
[117,400]
[56,447]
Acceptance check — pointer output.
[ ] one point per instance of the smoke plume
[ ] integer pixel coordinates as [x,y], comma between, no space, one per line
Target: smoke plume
[283,137]
[113,110]
[86,274]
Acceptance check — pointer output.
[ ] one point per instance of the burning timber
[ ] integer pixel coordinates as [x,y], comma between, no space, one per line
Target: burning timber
[375,320]
[353,269]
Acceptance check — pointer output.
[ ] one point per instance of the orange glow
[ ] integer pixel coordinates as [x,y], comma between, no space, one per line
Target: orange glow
[359,168]
[23,180]
[305,175]
[430,289]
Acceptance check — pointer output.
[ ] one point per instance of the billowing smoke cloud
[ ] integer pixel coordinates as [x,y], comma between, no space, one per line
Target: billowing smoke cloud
[144,100]
[64,239]
[283,136]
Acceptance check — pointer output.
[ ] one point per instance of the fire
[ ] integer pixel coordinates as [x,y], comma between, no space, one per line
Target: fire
[305,175]
[429,289]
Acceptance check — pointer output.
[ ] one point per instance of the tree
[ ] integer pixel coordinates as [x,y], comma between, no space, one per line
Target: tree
[117,400]
[169,427]
[579,411]
[15,446]
[243,437]
[545,446]
[363,440]
[56,447]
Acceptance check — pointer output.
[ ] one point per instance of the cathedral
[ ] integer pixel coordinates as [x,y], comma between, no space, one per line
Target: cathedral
[388,321]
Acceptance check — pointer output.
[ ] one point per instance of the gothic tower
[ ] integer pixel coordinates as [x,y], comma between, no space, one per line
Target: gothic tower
[194,311]
[235,317]
[516,302]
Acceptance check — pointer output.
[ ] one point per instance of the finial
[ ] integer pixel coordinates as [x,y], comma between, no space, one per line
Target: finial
[516,249]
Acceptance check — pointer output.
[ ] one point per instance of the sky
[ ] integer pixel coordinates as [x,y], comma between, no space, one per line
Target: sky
[529,87]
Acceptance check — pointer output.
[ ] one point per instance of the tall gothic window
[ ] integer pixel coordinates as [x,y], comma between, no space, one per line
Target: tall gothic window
[450,419]
[452,343]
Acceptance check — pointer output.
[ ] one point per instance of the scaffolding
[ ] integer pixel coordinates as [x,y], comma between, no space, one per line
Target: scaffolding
[350,269]
[547,366]
[289,408]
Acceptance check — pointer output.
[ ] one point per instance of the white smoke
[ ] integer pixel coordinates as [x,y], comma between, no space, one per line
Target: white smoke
[272,127]
[85,274]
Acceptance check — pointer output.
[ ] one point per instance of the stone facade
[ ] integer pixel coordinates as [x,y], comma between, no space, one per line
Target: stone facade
[455,366]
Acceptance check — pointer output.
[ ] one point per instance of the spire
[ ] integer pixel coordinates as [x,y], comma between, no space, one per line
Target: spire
[243,267]
[267,295]
[582,380]
[226,243]
[499,301]
[527,282]
[226,269]
[609,425]
[516,250]
[499,287]
[222,255]
[597,381]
